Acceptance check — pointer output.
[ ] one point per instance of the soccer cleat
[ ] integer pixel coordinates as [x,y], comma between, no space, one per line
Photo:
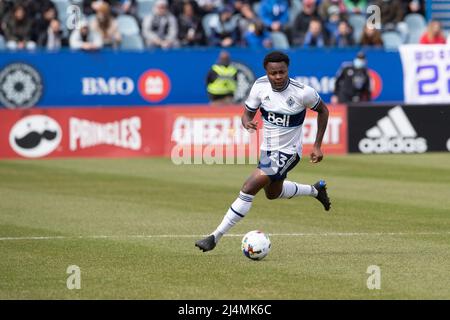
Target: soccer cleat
[206,244]
[322,195]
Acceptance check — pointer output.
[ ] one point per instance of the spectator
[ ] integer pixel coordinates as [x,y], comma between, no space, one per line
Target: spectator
[326,4]
[89,6]
[42,22]
[302,21]
[391,12]
[177,7]
[274,14]
[35,9]
[52,38]
[160,28]
[190,28]
[221,80]
[352,81]
[17,28]
[5,7]
[356,6]
[371,37]
[85,39]
[334,18]
[414,6]
[224,29]
[128,7]
[315,37]
[433,34]
[209,6]
[391,16]
[343,36]
[106,25]
[246,18]
[257,37]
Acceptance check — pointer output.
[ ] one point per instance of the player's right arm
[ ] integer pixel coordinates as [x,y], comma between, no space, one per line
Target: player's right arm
[247,120]
[251,107]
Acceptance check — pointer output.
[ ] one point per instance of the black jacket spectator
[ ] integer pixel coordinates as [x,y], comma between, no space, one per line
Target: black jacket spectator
[190,30]
[353,82]
[17,28]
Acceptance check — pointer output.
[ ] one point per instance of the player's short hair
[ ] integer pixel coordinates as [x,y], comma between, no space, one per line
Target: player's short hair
[276,56]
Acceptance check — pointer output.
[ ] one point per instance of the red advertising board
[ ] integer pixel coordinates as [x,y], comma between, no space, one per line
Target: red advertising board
[137,132]
[214,126]
[112,132]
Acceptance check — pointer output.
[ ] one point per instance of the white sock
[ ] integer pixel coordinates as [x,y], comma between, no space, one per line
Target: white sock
[294,189]
[235,213]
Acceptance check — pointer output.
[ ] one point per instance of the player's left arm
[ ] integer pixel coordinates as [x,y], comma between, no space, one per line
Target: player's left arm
[322,121]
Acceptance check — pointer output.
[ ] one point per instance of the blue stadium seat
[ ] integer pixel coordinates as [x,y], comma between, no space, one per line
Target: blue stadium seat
[255,7]
[414,35]
[357,21]
[295,8]
[132,42]
[205,23]
[61,8]
[391,40]
[127,25]
[144,7]
[279,40]
[415,21]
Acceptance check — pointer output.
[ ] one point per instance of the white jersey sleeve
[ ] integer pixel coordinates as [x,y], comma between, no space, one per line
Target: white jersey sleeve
[254,98]
[311,98]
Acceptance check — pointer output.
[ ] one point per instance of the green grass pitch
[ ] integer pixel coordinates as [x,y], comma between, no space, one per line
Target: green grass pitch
[130,226]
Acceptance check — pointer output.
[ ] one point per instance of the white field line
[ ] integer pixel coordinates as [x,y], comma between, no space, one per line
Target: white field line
[157,236]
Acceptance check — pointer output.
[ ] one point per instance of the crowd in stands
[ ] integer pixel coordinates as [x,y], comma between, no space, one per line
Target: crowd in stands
[55,24]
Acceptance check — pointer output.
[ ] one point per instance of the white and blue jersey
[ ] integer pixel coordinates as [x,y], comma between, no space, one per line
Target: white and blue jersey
[283,112]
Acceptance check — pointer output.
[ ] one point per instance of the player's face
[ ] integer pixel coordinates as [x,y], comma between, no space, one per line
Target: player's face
[277,72]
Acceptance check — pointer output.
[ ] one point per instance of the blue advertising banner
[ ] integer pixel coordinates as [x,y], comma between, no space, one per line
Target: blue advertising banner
[150,78]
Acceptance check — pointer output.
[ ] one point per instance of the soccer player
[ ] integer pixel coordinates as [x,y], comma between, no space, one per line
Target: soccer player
[282,102]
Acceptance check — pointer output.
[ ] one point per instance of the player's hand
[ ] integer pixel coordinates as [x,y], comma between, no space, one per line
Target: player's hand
[316,155]
[251,125]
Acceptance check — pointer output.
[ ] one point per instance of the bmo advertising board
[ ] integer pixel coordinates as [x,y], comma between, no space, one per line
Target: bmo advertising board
[177,132]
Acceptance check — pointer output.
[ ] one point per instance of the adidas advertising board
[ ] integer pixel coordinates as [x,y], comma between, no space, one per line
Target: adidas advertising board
[399,128]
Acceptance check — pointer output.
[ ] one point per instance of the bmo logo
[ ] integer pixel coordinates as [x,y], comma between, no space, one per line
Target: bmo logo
[113,86]
[154,85]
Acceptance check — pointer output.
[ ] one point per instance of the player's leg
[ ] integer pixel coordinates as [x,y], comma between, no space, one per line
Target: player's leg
[238,209]
[281,188]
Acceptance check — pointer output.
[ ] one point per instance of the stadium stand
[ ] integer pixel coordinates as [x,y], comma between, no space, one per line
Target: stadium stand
[130,24]
[391,40]
[279,40]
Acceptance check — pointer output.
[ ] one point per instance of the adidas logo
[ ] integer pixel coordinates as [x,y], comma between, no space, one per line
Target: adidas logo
[393,133]
[267,98]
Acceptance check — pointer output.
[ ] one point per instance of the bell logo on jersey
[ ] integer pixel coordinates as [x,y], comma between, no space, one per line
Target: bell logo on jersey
[278,119]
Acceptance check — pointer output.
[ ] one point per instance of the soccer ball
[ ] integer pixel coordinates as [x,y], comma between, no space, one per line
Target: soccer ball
[255,245]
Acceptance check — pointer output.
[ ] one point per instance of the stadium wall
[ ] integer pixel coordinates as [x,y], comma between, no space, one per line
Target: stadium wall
[161,78]
[177,132]
[199,132]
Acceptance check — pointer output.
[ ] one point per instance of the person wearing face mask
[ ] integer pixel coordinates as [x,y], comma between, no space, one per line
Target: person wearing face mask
[352,81]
